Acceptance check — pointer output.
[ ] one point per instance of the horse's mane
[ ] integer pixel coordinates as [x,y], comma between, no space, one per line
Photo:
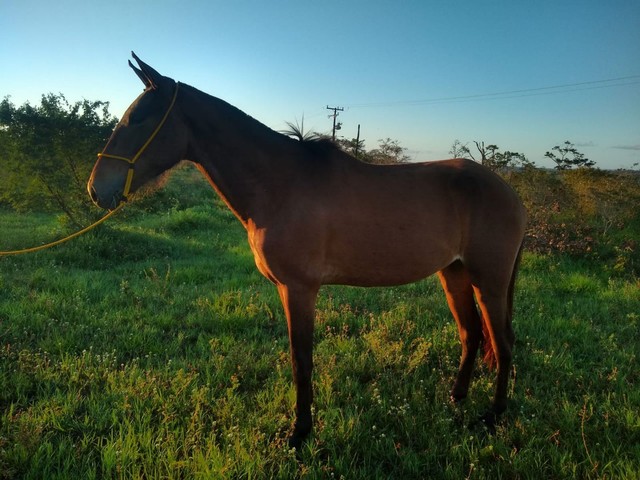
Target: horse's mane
[317,145]
[322,146]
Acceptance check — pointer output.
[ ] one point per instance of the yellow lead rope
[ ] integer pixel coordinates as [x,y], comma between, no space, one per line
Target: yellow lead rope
[125,193]
[62,240]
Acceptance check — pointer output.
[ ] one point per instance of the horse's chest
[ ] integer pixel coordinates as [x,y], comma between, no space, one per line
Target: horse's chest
[256,238]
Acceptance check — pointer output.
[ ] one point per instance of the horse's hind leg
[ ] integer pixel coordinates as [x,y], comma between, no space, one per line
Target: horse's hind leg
[496,314]
[457,285]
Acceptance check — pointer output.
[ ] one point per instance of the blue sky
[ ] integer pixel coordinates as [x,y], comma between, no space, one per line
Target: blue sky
[422,72]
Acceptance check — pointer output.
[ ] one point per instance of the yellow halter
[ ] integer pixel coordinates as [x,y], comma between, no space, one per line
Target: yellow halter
[131,161]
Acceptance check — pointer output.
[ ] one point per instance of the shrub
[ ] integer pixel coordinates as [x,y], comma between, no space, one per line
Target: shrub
[583,212]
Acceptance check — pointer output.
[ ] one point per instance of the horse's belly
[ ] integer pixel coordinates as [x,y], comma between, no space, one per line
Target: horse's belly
[381,262]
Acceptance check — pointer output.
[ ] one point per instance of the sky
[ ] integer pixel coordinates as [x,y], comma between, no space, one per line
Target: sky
[525,76]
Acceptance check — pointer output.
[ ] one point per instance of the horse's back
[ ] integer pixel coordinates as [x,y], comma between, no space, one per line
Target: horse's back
[433,194]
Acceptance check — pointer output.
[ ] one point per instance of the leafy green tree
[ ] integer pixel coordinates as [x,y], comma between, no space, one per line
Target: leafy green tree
[567,157]
[388,152]
[47,151]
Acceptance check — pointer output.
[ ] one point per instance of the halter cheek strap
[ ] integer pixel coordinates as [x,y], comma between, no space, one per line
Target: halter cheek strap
[131,161]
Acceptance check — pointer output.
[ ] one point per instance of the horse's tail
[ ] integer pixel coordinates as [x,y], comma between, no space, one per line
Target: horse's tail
[489,357]
[489,353]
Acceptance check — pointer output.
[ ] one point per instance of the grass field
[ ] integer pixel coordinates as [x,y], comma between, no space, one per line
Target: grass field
[152,348]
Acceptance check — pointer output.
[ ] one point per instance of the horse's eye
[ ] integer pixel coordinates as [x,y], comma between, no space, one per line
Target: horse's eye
[136,117]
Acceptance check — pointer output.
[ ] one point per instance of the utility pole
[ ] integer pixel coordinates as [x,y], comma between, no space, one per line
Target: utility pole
[335,114]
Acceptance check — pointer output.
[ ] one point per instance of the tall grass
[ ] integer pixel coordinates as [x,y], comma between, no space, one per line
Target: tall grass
[152,348]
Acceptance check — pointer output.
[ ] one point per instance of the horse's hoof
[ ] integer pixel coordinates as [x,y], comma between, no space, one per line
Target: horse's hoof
[457,398]
[297,438]
[295,441]
[488,421]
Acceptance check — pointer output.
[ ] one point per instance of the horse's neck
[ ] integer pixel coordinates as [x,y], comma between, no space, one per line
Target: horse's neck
[244,161]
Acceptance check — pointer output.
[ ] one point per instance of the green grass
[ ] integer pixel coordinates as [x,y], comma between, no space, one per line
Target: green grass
[152,348]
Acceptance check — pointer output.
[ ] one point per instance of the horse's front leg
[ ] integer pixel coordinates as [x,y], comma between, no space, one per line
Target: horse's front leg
[299,306]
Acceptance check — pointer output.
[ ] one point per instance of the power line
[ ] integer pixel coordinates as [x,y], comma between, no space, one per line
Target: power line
[527,92]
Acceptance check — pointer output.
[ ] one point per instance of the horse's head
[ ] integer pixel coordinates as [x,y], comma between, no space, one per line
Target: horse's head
[146,142]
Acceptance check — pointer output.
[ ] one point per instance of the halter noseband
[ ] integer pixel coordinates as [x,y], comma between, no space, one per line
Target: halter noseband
[131,161]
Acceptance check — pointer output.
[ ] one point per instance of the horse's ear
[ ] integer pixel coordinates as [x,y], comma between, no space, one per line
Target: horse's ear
[141,76]
[148,75]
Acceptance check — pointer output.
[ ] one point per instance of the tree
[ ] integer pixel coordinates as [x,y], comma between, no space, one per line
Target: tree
[388,152]
[508,159]
[490,156]
[47,151]
[354,146]
[486,153]
[567,157]
[460,150]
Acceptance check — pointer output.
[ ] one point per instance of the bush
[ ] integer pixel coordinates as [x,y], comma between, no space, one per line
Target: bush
[47,152]
[584,212]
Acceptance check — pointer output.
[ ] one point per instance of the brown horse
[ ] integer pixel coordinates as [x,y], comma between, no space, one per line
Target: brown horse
[315,215]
